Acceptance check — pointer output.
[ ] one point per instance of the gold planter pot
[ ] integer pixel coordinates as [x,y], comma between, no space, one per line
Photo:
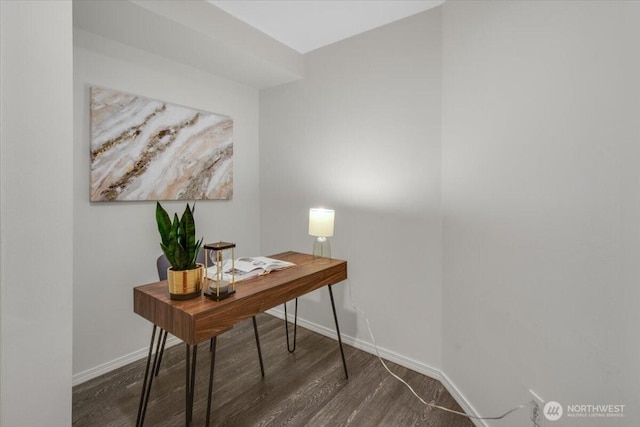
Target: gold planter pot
[185,284]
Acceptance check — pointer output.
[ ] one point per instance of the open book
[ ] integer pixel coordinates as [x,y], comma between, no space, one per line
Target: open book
[248,267]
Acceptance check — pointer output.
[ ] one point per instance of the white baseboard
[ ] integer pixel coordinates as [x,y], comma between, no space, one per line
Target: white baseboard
[414,365]
[462,401]
[92,373]
[391,356]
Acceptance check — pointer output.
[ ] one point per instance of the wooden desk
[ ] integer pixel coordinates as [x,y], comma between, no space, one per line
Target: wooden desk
[201,319]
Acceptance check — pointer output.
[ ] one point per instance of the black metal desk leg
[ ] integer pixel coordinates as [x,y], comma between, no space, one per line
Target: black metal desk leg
[335,317]
[213,361]
[255,330]
[187,383]
[190,380]
[143,393]
[295,326]
[164,341]
[148,380]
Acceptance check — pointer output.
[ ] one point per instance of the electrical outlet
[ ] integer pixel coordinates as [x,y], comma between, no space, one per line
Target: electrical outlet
[537,407]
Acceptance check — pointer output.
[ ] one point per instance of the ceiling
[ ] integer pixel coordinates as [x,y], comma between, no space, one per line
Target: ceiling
[306,25]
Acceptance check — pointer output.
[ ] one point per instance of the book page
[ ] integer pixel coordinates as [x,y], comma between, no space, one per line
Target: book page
[247,264]
[248,267]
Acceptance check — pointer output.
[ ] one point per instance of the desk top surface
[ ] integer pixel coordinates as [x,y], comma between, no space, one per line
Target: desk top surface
[198,319]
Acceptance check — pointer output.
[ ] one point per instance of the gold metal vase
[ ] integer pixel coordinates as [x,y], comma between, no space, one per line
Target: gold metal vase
[185,284]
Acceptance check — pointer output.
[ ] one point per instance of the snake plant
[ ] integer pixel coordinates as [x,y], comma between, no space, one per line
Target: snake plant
[178,238]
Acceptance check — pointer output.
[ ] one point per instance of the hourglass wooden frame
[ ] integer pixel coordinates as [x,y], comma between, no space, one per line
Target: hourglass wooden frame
[222,285]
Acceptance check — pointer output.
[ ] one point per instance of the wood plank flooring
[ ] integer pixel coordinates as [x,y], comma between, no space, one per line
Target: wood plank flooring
[306,388]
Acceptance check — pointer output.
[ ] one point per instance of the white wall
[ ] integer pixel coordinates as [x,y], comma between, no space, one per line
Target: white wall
[36,213]
[116,244]
[194,33]
[361,134]
[541,179]
[540,182]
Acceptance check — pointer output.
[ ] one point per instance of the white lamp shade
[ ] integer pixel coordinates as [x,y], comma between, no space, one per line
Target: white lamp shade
[321,222]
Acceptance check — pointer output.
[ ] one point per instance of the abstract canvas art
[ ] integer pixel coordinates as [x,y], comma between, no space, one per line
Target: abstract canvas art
[144,149]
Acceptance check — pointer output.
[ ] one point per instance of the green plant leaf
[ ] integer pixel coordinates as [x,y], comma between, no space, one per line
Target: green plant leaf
[175,226]
[168,252]
[196,251]
[182,260]
[164,223]
[189,230]
[173,240]
[178,238]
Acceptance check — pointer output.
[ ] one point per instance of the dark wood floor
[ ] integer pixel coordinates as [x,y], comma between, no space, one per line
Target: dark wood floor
[306,388]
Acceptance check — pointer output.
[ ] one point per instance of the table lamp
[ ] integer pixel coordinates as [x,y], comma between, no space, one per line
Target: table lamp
[321,226]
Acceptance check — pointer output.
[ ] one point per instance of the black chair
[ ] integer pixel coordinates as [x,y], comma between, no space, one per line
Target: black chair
[162,265]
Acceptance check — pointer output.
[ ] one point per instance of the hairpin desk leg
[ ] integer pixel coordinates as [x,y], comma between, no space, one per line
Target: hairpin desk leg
[190,379]
[143,393]
[335,317]
[164,341]
[148,379]
[255,330]
[213,361]
[295,326]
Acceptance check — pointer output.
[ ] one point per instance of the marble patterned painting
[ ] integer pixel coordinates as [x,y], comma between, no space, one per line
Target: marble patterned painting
[143,149]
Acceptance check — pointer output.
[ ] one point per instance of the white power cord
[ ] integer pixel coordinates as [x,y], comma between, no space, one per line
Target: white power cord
[429,404]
